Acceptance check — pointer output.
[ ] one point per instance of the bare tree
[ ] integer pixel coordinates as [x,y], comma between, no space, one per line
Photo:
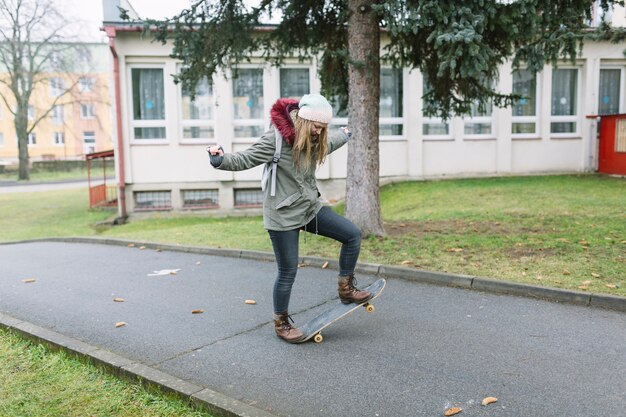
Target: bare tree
[37,51]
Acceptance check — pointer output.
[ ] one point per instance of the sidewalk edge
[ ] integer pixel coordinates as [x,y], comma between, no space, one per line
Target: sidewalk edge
[214,402]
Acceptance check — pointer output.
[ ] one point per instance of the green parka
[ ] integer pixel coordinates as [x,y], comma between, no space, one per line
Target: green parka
[296,202]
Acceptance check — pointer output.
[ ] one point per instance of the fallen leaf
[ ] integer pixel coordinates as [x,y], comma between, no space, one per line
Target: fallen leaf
[131,245]
[455,250]
[583,287]
[120,324]
[119,300]
[566,272]
[158,249]
[586,282]
[558,282]
[407,262]
[251,302]
[583,242]
[325,265]
[29,280]
[198,311]
[611,286]
[539,277]
[173,272]
[301,265]
[452,411]
[489,400]
[593,274]
[142,247]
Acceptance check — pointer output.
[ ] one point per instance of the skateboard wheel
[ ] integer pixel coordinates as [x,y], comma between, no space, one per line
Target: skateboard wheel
[318,338]
[369,308]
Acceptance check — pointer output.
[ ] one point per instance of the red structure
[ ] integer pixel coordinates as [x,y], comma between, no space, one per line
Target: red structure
[612,152]
[101,194]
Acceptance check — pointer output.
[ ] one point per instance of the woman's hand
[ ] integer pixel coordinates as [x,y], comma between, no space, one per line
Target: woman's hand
[347,131]
[215,150]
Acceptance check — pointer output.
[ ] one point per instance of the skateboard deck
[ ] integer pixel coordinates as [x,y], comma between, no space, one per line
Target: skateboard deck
[313,328]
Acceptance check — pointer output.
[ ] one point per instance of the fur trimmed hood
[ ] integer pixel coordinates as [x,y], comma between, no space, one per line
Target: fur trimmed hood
[280,116]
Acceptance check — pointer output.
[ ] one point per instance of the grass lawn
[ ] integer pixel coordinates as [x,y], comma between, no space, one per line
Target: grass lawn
[47,176]
[557,231]
[36,382]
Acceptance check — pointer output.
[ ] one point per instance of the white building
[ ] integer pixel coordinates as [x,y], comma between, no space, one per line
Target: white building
[163,134]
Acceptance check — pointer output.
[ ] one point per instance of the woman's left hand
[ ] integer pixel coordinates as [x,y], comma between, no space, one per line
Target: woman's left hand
[347,131]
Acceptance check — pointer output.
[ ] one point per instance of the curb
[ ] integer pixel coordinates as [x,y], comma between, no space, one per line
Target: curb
[214,402]
[469,282]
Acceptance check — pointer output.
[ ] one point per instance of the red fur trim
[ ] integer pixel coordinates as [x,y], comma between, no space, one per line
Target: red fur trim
[279,115]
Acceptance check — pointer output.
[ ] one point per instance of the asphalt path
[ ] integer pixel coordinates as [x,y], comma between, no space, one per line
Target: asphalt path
[426,348]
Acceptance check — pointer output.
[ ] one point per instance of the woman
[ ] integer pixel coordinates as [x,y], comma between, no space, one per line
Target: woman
[290,200]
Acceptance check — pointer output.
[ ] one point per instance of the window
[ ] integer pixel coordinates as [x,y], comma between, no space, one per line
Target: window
[32,138]
[200,199]
[87,111]
[525,109]
[564,101]
[31,112]
[148,103]
[294,82]
[85,84]
[478,125]
[391,122]
[620,136]
[57,115]
[153,200]
[609,94]
[1,139]
[89,142]
[197,118]
[58,138]
[248,198]
[57,87]
[248,102]
[89,137]
[433,127]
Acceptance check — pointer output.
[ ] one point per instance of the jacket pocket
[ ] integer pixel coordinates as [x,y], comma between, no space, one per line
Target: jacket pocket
[289,200]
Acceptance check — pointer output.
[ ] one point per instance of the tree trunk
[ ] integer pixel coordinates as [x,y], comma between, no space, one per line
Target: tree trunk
[362,183]
[21,131]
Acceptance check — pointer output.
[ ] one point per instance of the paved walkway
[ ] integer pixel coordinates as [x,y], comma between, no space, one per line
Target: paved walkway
[426,348]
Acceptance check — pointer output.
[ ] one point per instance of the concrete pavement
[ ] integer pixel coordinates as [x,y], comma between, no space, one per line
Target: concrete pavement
[426,348]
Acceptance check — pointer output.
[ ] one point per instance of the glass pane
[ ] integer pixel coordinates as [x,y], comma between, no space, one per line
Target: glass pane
[390,92]
[149,133]
[248,94]
[294,82]
[564,83]
[148,94]
[248,131]
[524,128]
[563,127]
[477,128]
[249,197]
[147,200]
[201,108]
[198,132]
[200,198]
[525,84]
[435,129]
[609,91]
[390,130]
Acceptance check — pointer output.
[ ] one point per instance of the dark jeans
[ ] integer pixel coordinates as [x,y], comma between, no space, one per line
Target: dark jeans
[285,244]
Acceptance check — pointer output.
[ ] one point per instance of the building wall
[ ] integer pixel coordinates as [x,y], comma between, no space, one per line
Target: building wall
[557,141]
[74,123]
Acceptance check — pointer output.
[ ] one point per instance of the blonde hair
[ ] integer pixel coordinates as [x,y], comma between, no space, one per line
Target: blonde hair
[314,150]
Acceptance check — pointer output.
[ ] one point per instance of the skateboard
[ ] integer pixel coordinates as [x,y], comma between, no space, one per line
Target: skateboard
[313,328]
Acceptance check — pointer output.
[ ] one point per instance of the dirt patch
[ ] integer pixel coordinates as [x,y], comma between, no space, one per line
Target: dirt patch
[444,227]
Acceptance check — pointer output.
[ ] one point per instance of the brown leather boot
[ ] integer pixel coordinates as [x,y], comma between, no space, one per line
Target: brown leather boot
[285,330]
[348,293]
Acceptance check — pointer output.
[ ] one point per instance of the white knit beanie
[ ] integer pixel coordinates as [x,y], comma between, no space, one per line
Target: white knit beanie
[315,108]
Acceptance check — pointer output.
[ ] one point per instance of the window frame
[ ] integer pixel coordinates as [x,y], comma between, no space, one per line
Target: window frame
[293,67]
[395,121]
[536,119]
[55,136]
[622,79]
[200,123]
[262,122]
[90,114]
[152,123]
[576,118]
